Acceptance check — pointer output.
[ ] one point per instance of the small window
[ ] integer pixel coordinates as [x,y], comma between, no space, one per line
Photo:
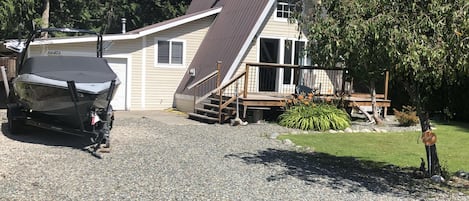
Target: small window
[285,8]
[170,52]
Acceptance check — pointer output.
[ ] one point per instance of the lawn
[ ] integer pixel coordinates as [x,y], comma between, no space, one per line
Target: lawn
[402,149]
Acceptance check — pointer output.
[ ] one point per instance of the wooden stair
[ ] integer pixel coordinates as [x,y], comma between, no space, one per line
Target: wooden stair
[209,112]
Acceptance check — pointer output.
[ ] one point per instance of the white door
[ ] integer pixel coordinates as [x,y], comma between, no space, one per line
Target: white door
[119,66]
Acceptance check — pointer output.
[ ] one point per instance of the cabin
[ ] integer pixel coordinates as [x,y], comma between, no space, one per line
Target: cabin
[219,53]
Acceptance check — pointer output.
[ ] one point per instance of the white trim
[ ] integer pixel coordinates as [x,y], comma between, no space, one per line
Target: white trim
[112,37]
[144,72]
[248,41]
[170,64]
[180,22]
[86,87]
[281,60]
[280,19]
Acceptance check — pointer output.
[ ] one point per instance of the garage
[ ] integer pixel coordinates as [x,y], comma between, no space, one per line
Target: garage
[119,66]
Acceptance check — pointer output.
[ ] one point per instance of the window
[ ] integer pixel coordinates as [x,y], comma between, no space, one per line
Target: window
[299,52]
[294,53]
[285,8]
[170,52]
[287,59]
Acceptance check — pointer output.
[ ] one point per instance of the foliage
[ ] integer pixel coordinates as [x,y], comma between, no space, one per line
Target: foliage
[300,99]
[102,16]
[423,43]
[407,117]
[396,148]
[320,117]
[350,32]
[427,45]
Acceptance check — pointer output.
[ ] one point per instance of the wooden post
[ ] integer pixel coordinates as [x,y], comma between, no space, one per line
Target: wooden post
[220,92]
[218,73]
[246,81]
[196,89]
[386,85]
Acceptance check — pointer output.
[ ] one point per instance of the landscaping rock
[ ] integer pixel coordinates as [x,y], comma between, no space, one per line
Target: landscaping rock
[365,130]
[348,130]
[288,142]
[437,179]
[332,131]
[274,135]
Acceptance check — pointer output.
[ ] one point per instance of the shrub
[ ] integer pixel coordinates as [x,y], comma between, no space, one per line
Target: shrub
[407,117]
[319,117]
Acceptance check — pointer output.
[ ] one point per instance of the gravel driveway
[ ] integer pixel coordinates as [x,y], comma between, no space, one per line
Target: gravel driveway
[164,156]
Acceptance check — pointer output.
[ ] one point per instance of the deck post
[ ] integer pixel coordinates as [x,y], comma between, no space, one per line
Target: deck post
[196,89]
[218,73]
[386,83]
[220,92]
[246,81]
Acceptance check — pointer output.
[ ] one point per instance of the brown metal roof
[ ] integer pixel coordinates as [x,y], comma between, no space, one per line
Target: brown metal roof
[226,37]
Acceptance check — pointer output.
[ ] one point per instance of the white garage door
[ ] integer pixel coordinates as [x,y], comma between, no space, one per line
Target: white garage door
[119,66]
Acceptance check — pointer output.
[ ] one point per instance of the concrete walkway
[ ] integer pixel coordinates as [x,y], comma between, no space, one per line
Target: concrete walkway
[168,117]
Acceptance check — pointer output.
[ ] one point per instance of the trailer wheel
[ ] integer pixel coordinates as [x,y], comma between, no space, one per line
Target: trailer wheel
[15,125]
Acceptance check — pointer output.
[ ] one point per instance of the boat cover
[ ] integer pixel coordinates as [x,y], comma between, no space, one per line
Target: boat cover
[68,68]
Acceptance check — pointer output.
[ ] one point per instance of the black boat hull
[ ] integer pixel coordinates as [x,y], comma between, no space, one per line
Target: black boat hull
[56,104]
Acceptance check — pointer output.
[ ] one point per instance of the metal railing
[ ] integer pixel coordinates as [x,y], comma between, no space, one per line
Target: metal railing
[282,79]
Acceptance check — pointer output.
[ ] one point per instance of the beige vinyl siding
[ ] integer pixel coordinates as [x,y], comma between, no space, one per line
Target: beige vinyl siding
[272,29]
[162,81]
[157,84]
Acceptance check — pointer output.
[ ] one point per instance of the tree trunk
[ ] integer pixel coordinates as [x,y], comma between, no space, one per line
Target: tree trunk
[433,162]
[45,17]
[374,108]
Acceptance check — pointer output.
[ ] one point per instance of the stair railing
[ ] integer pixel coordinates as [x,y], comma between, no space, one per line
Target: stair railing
[227,89]
[204,81]
[224,90]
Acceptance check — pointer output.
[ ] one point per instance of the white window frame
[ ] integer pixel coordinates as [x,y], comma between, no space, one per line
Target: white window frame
[170,64]
[283,19]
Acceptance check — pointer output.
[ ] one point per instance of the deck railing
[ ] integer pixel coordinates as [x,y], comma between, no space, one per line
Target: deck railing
[263,78]
[324,81]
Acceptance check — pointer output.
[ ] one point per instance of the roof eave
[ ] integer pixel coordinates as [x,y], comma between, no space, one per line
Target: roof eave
[130,36]
[181,22]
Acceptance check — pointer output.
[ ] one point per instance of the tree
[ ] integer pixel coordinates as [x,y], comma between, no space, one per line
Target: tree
[15,15]
[429,45]
[45,16]
[104,16]
[354,31]
[425,43]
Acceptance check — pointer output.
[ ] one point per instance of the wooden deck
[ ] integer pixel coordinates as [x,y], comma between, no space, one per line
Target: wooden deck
[256,101]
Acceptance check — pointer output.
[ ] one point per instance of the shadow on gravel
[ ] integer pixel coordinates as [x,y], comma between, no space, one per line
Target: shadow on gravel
[45,137]
[347,173]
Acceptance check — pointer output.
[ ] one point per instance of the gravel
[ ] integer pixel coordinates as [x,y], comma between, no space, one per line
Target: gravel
[151,159]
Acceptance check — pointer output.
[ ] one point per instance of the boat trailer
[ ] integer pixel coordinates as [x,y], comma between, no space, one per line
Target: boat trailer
[98,131]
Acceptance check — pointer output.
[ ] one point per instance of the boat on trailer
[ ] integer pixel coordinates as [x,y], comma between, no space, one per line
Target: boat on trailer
[68,94]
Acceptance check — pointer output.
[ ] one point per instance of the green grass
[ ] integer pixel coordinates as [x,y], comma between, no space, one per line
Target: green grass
[402,149]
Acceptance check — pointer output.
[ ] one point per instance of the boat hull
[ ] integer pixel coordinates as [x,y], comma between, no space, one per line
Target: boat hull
[56,104]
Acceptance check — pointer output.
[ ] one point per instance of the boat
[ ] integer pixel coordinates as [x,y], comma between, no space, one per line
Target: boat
[68,94]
